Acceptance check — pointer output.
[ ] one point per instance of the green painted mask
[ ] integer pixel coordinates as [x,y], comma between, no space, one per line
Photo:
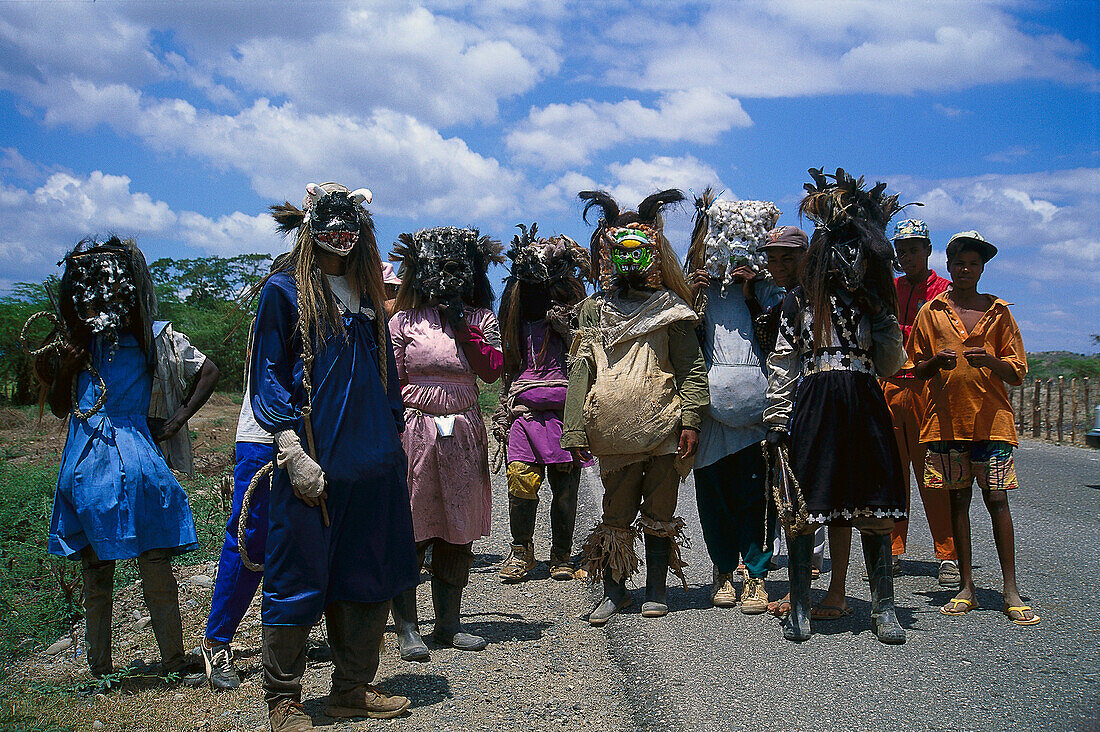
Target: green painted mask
[631,252]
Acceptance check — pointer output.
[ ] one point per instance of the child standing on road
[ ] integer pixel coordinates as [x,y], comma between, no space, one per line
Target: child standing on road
[969,429]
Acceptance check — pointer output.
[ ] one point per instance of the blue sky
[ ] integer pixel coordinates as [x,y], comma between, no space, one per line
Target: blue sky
[179,123]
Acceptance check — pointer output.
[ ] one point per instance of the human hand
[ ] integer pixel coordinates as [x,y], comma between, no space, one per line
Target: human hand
[700,280]
[871,303]
[945,360]
[168,428]
[978,357]
[454,313]
[72,357]
[689,443]
[748,277]
[776,437]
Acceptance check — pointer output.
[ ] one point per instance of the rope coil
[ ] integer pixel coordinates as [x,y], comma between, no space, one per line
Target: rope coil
[55,344]
[786,492]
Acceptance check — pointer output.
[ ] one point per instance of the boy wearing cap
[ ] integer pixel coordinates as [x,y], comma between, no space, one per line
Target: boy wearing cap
[968,346]
[907,396]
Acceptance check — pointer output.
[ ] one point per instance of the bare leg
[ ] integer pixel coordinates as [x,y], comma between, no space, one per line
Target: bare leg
[1004,536]
[960,529]
[840,549]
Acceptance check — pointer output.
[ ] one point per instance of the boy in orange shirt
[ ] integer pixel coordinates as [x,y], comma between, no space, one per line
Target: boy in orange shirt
[968,346]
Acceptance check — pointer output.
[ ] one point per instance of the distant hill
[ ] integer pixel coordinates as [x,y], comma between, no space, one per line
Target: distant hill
[1052,364]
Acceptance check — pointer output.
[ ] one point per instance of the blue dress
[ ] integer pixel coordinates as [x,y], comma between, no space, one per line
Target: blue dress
[367,554]
[115,493]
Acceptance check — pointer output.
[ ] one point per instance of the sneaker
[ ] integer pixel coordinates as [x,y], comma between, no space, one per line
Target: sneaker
[289,716]
[365,701]
[754,598]
[520,562]
[723,594]
[220,671]
[949,573]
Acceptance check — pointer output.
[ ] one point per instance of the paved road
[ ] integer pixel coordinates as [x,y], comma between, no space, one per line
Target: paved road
[710,669]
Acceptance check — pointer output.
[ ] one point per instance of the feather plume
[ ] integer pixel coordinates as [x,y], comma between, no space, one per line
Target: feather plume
[288,217]
[602,199]
[649,210]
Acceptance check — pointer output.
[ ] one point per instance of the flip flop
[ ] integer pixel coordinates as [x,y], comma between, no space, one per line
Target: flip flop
[1033,620]
[952,606]
[780,608]
[829,612]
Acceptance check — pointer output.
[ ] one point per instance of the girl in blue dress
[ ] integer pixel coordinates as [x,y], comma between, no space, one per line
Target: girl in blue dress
[116,497]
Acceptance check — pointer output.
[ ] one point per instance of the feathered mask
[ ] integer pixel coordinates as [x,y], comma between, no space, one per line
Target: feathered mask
[732,233]
[853,222]
[627,246]
[333,216]
[447,264]
[540,261]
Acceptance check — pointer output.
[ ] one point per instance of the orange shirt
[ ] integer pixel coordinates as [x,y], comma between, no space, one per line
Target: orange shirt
[968,403]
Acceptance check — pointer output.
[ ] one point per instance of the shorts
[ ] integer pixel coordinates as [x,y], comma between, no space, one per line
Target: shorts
[957,464]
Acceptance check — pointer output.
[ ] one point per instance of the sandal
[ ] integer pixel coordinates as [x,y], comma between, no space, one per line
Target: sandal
[829,612]
[952,606]
[780,608]
[1021,609]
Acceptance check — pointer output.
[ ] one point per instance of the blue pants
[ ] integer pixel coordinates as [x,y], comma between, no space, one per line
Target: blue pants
[236,584]
[733,511]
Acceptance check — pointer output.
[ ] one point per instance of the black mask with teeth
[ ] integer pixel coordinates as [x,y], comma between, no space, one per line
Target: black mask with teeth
[334,221]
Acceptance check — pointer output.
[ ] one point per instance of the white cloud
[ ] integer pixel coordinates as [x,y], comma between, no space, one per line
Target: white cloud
[562,135]
[1008,155]
[46,220]
[949,111]
[636,179]
[798,48]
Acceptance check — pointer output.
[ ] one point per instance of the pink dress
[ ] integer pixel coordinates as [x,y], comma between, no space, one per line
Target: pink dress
[448,475]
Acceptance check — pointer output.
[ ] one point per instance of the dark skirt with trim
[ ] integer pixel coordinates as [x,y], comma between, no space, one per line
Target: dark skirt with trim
[843,450]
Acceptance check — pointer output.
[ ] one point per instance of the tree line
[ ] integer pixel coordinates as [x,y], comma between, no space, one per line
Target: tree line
[201,297]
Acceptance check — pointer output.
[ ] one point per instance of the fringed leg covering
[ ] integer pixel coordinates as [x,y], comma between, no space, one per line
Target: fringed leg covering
[673,530]
[610,550]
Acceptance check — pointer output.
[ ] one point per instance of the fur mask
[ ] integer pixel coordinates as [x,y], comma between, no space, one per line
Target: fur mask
[335,216]
[629,245]
[735,231]
[446,265]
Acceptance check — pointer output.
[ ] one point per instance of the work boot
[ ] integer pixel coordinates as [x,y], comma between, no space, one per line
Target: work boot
[796,626]
[723,593]
[520,562]
[884,621]
[99,586]
[657,549]
[409,642]
[563,520]
[289,716]
[615,598]
[754,598]
[218,660]
[365,701]
[447,599]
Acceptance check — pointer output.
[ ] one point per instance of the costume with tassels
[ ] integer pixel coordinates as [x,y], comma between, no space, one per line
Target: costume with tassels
[445,337]
[324,383]
[837,332]
[729,469]
[543,288]
[637,393]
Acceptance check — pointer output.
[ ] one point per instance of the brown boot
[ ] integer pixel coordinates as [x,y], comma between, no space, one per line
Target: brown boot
[289,716]
[365,701]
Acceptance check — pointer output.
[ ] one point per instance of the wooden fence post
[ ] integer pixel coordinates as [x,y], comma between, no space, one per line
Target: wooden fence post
[1035,412]
[1073,412]
[1046,407]
[1061,406]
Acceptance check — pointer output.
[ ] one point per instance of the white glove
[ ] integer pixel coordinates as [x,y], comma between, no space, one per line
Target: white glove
[306,475]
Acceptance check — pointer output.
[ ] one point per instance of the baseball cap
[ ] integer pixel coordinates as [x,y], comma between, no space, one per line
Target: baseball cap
[910,229]
[790,237]
[972,240]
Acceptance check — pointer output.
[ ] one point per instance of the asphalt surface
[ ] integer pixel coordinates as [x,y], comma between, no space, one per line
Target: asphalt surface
[715,669]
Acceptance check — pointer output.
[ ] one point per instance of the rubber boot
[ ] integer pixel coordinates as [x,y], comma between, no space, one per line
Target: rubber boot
[615,598]
[99,585]
[563,520]
[796,626]
[884,621]
[447,599]
[409,642]
[656,576]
